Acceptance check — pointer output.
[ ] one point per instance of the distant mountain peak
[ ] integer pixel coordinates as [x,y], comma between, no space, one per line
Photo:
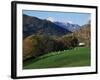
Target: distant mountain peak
[50,19]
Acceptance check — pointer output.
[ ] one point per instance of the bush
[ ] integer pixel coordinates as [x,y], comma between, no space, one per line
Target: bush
[68,42]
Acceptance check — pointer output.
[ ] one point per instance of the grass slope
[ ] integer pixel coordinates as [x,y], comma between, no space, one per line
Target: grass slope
[79,56]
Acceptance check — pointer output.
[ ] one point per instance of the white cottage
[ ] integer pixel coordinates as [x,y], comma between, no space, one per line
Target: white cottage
[81,44]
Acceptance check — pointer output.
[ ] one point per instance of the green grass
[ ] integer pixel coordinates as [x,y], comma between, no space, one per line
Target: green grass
[79,56]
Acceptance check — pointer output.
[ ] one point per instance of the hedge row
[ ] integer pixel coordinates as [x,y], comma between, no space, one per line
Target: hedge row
[37,45]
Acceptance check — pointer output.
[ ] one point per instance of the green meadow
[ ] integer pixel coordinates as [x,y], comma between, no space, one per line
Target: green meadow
[76,57]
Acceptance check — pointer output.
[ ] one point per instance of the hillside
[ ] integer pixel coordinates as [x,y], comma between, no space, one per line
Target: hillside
[79,56]
[36,26]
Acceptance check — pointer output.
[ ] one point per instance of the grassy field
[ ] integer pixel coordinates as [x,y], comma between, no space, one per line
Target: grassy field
[79,56]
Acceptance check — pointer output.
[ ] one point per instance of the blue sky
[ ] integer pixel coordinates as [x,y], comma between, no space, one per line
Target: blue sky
[75,18]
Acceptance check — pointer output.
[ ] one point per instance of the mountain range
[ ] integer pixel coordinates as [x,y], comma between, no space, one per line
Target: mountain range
[69,26]
[36,26]
[33,25]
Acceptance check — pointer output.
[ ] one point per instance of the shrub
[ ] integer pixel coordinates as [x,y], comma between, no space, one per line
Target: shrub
[68,41]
